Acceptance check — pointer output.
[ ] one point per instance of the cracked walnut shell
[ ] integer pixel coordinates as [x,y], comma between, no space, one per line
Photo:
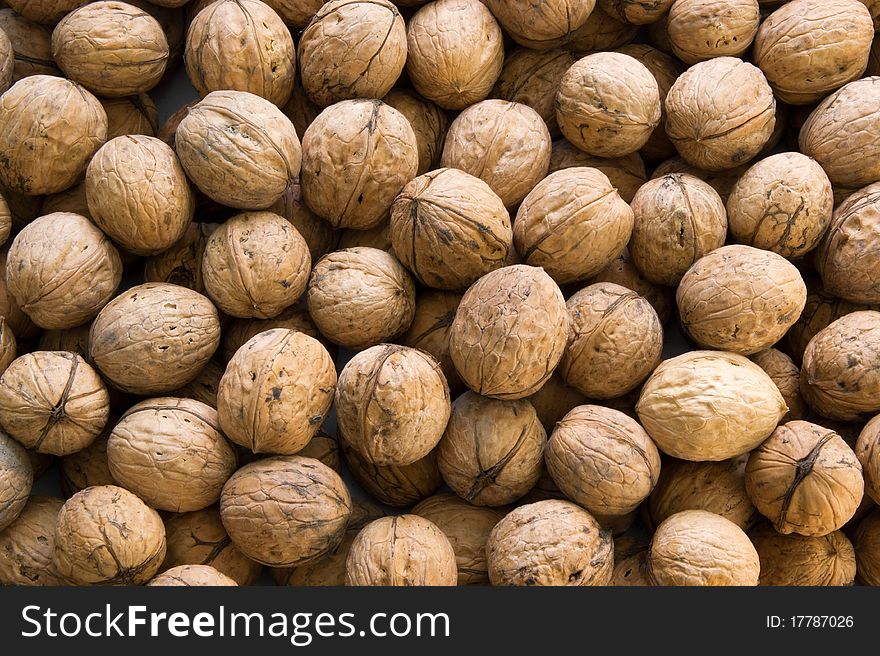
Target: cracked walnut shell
[107,536]
[800,560]
[549,542]
[276,392]
[501,312]
[392,404]
[491,453]
[805,479]
[286,510]
[28,544]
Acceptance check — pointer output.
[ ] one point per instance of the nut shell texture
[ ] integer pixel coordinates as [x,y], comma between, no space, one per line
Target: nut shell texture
[868,451]
[28,544]
[828,560]
[191,575]
[703,29]
[397,486]
[16,478]
[541,25]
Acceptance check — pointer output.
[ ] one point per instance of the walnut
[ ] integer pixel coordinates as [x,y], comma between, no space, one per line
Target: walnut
[191,575]
[867,450]
[105,535]
[394,485]
[429,330]
[601,31]
[154,338]
[8,347]
[132,115]
[286,510]
[320,236]
[867,547]
[553,401]
[300,109]
[295,13]
[28,544]
[501,311]
[550,542]
[708,405]
[31,44]
[703,29]
[626,174]
[48,12]
[630,562]
[378,237]
[16,478]
[181,263]
[449,228]
[541,25]
[636,12]
[786,374]
[324,448]
[721,181]
[276,392]
[800,560]
[296,317]
[428,121]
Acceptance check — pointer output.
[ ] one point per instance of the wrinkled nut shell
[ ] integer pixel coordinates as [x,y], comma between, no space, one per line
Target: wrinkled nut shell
[133,115]
[352,49]
[840,376]
[31,44]
[781,204]
[191,575]
[700,548]
[429,330]
[320,236]
[703,29]
[62,270]
[286,510]
[276,392]
[325,449]
[550,542]
[48,12]
[357,156]
[608,104]
[28,544]
[154,338]
[238,149]
[615,340]
[392,404]
[787,376]
[53,402]
[807,48]
[87,467]
[401,551]
[626,174]
[720,113]
[393,485]
[541,25]
[601,31]
[805,479]
[491,452]
[107,536]
[428,121]
[181,263]
[602,460]
[16,478]
[111,48]
[360,297]
[47,156]
[512,306]
[799,560]
[868,451]
[449,228]
[296,317]
[565,211]
[678,219]
[708,405]
[630,563]
[553,401]
[455,51]
[740,299]
[256,265]
[867,546]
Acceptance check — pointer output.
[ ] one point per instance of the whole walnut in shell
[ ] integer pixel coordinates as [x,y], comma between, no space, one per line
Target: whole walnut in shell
[28,544]
[787,376]
[111,48]
[181,263]
[720,113]
[256,265]
[708,405]
[721,181]
[615,341]
[807,48]
[242,45]
[449,228]
[198,538]
[324,448]
[626,174]
[357,156]
[7,62]
[700,548]
[841,134]
[360,297]
[630,562]
[622,271]
[805,479]
[565,211]
[276,392]
[8,347]
[49,129]
[602,460]
[868,451]
[781,204]
[398,486]
[505,144]
[608,104]
[800,560]
[601,31]
[428,121]
[286,510]
[467,527]
[553,401]
[455,51]
[867,547]
[550,542]
[154,338]
[840,374]
[845,257]
[105,535]
[19,322]
[31,44]
[378,237]
[16,478]
[678,219]
[636,12]
[741,299]
[401,551]
[491,452]
[429,330]
[541,25]
[47,12]
[320,236]
[392,404]
[53,402]
[296,317]
[703,29]
[132,115]
[191,575]
[75,340]
[62,270]
[138,194]
[171,453]
[87,467]
[352,49]
[717,487]
[501,311]
[239,149]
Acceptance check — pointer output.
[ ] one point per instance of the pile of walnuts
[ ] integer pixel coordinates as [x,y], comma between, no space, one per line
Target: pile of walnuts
[438,292]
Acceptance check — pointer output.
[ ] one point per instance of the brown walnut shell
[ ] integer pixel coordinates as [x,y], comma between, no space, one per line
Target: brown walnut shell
[601,31]
[87,467]
[191,575]
[703,29]
[296,317]
[320,236]
[135,114]
[47,12]
[181,263]
[16,479]
[636,12]
[626,174]
[393,485]
[867,449]
[429,330]
[428,121]
[789,560]
[787,376]
[867,546]
[31,44]
[543,25]
[28,544]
